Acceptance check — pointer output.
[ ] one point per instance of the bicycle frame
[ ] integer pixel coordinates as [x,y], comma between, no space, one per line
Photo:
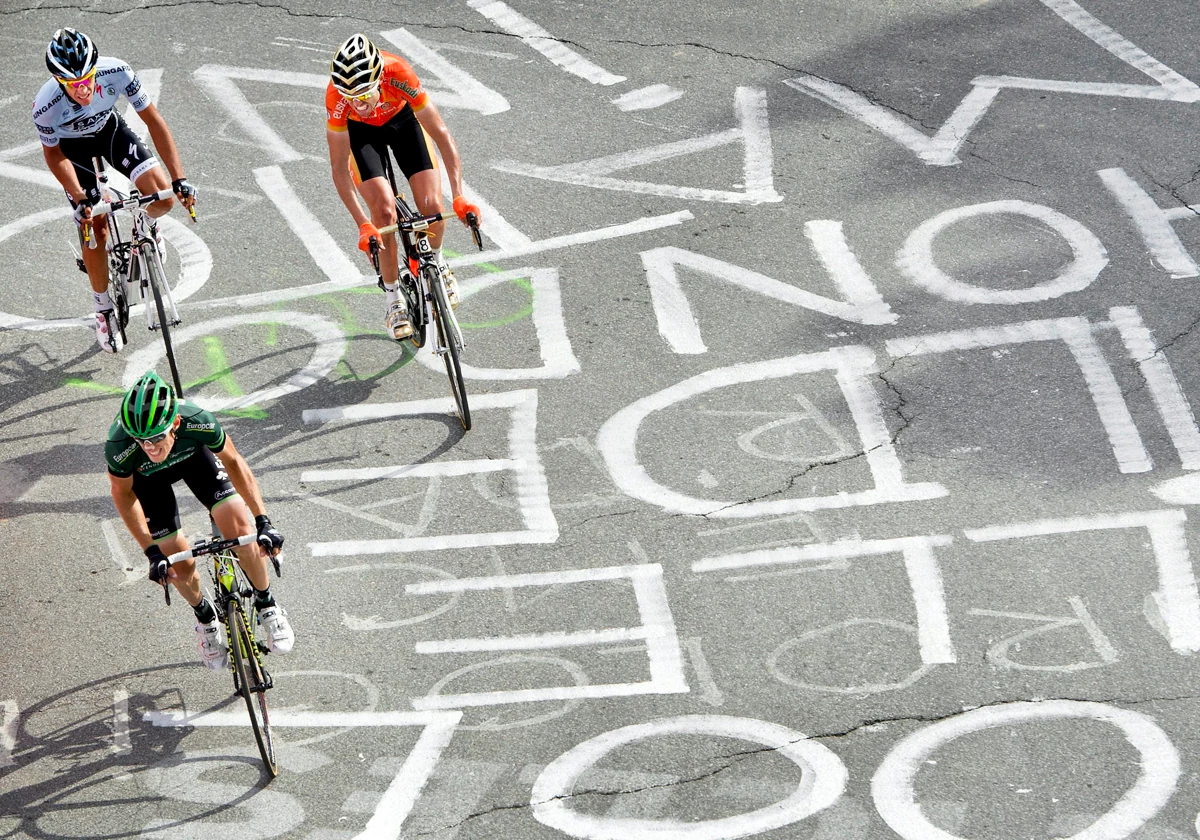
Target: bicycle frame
[413,231]
[235,607]
[142,244]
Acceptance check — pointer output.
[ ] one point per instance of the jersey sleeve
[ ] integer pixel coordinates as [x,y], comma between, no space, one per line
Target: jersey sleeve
[139,97]
[43,113]
[202,426]
[399,75]
[120,452]
[336,109]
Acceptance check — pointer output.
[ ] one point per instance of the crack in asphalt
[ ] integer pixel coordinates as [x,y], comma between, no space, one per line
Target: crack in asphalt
[894,437]
[326,15]
[1174,190]
[732,759]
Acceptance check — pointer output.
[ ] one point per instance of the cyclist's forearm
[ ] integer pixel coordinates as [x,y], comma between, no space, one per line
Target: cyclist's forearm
[164,146]
[431,120]
[349,197]
[242,479]
[130,511]
[63,171]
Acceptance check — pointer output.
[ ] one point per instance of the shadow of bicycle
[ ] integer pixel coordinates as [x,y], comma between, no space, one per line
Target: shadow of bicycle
[85,762]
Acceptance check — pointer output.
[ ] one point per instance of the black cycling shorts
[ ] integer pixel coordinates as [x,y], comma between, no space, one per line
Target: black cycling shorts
[203,473]
[403,133]
[114,142]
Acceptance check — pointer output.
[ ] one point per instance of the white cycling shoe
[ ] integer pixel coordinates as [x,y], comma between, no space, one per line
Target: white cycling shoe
[451,284]
[397,322]
[274,622]
[110,342]
[213,651]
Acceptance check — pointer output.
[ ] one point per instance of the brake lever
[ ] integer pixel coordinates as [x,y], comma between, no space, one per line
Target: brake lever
[473,223]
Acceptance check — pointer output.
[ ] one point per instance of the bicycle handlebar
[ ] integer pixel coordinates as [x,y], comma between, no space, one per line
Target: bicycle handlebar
[210,547]
[104,207]
[423,222]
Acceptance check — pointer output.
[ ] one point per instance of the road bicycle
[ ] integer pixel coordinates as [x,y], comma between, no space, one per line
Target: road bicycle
[134,262]
[424,290]
[234,603]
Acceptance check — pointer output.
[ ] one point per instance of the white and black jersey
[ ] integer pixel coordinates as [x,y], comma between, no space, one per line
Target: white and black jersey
[57,116]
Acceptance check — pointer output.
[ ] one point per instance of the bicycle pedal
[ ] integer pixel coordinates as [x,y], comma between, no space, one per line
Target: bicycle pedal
[268,680]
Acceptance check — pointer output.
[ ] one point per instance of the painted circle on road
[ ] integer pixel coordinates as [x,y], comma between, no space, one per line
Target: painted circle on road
[893,786]
[578,675]
[867,688]
[916,259]
[331,346]
[195,267]
[823,779]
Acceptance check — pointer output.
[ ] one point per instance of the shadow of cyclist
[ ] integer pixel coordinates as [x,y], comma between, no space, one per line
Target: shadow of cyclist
[80,755]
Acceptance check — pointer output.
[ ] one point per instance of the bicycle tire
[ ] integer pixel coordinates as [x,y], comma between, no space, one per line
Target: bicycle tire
[155,276]
[452,341]
[116,285]
[250,683]
[416,312]
[116,293]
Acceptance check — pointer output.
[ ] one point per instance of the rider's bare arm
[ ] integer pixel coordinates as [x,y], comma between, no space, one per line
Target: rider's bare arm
[431,120]
[339,153]
[63,171]
[164,142]
[242,478]
[129,508]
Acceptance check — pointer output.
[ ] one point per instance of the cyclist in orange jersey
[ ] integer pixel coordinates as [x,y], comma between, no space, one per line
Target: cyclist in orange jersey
[374,101]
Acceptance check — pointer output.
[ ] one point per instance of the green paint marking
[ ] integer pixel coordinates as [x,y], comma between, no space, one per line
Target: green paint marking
[249,412]
[505,319]
[89,385]
[218,365]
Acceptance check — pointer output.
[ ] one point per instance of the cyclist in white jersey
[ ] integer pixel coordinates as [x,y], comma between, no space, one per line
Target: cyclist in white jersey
[76,118]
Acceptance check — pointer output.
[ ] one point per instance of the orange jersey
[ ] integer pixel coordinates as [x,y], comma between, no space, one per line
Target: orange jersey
[399,86]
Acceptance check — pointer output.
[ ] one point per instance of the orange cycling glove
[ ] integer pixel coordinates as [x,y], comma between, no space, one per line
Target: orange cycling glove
[365,231]
[462,207]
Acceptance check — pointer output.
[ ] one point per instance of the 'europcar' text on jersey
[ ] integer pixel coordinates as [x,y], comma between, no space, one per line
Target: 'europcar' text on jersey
[197,428]
[57,116]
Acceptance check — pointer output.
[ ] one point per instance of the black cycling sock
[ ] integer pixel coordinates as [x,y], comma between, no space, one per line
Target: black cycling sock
[263,599]
[205,614]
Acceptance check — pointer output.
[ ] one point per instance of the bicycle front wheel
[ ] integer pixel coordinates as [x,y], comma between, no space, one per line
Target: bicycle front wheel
[116,283]
[158,284]
[251,682]
[451,339]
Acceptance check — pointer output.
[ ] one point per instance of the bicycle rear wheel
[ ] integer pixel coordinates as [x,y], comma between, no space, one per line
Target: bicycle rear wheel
[157,285]
[416,311]
[251,683]
[452,341]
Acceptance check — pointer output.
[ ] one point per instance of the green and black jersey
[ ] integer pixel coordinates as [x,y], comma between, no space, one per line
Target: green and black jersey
[197,428]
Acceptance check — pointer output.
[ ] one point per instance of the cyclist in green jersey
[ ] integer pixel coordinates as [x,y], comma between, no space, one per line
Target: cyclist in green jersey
[156,441]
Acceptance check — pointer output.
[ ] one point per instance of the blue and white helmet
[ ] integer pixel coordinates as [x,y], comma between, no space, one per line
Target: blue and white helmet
[71,54]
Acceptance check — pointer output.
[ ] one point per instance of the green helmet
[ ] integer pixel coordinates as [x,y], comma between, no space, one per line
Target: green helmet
[149,407]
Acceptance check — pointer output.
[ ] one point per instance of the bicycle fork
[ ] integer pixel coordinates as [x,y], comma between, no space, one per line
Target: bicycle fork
[146,250]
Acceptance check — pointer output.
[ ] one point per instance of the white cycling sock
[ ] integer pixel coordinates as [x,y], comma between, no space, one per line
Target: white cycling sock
[391,294]
[103,301]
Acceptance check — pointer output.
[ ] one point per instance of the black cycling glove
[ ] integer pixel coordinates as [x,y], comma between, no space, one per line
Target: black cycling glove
[158,564]
[268,536]
[83,212]
[183,189]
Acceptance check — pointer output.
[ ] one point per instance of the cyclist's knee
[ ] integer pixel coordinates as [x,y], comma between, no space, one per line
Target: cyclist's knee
[384,216]
[161,208]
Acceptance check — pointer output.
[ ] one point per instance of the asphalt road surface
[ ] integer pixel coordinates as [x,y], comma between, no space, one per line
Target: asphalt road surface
[831,477]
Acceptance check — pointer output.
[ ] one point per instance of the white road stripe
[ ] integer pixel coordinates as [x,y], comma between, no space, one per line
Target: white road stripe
[539,39]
